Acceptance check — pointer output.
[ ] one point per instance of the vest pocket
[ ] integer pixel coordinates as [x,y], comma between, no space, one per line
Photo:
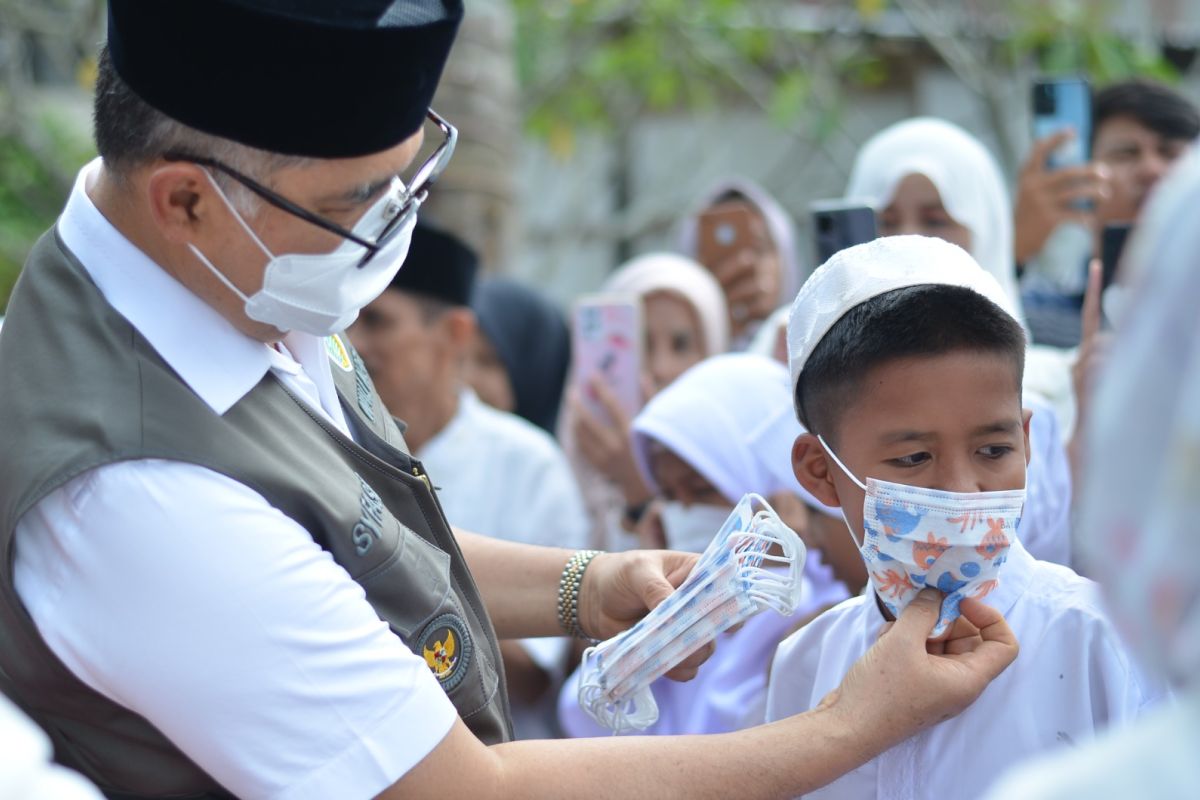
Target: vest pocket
[411,589]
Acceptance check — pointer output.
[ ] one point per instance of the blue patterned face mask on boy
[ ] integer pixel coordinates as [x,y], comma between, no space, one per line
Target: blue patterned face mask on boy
[915,538]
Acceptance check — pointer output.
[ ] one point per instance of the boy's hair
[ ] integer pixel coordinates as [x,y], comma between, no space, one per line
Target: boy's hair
[1154,106]
[926,320]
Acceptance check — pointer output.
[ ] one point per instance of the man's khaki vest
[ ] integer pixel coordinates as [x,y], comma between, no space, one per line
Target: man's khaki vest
[80,388]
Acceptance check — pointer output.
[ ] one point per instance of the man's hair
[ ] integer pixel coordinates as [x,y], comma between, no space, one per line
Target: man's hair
[915,321]
[130,133]
[1154,106]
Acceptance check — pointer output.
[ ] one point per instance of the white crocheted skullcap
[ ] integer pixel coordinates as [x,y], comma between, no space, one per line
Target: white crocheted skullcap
[857,274]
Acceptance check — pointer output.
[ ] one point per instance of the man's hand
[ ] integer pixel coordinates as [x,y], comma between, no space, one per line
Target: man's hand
[1048,198]
[904,684]
[620,588]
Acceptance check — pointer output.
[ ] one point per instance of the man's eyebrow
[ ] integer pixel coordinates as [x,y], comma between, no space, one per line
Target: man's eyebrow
[362,193]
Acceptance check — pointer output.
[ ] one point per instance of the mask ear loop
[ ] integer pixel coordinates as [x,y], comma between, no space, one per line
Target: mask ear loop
[770,588]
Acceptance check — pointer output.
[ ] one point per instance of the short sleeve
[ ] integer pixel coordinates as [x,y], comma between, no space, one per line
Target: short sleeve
[186,597]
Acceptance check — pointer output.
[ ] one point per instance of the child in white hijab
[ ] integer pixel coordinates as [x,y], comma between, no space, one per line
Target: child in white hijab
[685,320]
[724,429]
[929,177]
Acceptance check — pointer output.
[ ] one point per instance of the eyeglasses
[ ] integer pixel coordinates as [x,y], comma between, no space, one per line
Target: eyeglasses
[415,194]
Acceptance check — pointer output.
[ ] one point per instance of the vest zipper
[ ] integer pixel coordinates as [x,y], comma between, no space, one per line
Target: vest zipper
[417,471]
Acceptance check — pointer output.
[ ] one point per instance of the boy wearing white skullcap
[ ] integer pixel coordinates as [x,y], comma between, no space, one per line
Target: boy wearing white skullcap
[906,368]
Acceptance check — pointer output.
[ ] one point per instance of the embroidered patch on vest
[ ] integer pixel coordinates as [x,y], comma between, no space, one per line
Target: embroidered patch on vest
[338,353]
[370,524]
[362,386]
[447,648]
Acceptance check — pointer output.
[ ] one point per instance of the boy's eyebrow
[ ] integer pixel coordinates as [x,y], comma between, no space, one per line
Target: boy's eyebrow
[999,426]
[901,436]
[897,437]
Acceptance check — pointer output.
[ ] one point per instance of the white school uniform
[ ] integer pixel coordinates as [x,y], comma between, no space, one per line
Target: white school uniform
[1072,678]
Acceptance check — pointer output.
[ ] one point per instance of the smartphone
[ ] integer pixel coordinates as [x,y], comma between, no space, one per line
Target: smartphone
[1059,104]
[838,224]
[726,229]
[607,342]
[1112,245]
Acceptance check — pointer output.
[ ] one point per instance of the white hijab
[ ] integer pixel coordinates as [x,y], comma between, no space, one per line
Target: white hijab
[779,228]
[965,175]
[668,272]
[730,418]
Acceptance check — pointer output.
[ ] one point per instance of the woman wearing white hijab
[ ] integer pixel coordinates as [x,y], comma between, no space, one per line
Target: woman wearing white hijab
[724,429]
[765,280]
[930,177]
[1141,504]
[685,320]
[927,176]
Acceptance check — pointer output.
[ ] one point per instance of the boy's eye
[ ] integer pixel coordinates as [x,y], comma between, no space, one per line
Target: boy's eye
[913,460]
[995,451]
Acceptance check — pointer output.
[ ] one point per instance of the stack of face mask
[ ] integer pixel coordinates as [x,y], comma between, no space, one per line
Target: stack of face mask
[735,578]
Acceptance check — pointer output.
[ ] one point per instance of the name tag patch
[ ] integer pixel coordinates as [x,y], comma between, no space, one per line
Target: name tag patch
[338,353]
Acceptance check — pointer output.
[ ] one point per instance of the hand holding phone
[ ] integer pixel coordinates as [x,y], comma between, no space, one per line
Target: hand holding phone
[1059,105]
[734,245]
[838,224]
[607,346]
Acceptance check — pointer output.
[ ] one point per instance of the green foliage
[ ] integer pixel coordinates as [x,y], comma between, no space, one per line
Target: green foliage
[598,64]
[1075,37]
[32,190]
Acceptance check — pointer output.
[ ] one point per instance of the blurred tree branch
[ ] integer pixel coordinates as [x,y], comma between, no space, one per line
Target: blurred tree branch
[39,152]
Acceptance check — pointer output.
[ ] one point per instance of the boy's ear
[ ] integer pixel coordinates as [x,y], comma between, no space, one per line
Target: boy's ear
[811,467]
[1026,416]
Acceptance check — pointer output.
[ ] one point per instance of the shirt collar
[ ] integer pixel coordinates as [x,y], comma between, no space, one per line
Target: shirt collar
[459,425]
[216,360]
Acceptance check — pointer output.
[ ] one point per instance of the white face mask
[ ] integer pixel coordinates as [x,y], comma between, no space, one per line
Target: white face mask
[915,538]
[322,293]
[691,528]
[734,579]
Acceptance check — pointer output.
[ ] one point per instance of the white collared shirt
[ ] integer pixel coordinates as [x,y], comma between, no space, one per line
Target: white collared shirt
[186,597]
[1073,678]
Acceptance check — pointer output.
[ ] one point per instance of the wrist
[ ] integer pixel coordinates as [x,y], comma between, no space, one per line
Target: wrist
[589,598]
[575,604]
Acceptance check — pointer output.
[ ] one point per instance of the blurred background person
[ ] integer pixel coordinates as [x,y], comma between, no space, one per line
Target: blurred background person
[684,321]
[520,353]
[1140,128]
[1141,499]
[415,340]
[928,177]
[763,275]
[724,429]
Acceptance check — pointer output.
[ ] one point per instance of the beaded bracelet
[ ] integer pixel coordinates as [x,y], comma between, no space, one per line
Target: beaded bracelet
[568,592]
